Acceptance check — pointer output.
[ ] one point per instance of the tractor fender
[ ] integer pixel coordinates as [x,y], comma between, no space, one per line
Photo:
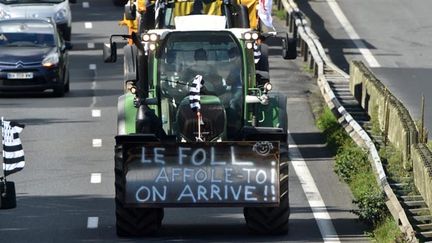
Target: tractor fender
[126,114]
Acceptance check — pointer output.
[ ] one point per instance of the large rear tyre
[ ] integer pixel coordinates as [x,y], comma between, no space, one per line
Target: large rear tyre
[274,220]
[132,222]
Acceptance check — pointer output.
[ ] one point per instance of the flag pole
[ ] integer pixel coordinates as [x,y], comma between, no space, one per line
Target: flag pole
[2,175]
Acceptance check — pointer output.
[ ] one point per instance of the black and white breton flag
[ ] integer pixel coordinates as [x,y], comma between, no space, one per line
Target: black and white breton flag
[194,93]
[13,153]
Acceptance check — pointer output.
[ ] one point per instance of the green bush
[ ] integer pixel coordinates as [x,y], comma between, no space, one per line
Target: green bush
[371,208]
[369,199]
[335,135]
[352,165]
[349,161]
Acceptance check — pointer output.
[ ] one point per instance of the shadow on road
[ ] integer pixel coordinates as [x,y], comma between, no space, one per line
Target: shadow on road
[64,219]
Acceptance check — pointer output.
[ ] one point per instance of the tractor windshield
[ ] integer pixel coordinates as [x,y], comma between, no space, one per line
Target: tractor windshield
[216,56]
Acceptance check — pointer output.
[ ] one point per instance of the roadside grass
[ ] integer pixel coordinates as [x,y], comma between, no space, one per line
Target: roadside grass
[387,232]
[429,145]
[280,14]
[353,167]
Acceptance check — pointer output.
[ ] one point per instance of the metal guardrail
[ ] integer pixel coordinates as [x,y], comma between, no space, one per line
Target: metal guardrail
[324,70]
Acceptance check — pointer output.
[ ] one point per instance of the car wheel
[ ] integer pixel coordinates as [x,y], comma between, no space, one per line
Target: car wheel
[59,91]
[67,34]
[67,84]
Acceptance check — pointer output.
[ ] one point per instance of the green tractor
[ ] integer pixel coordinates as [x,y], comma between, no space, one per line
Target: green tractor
[198,127]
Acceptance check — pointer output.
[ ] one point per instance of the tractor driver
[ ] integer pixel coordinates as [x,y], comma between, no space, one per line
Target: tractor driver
[212,80]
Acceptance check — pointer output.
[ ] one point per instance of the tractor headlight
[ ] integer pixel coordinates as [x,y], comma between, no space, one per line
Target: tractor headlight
[152,46]
[153,37]
[249,45]
[268,87]
[145,37]
[250,36]
[133,89]
[255,36]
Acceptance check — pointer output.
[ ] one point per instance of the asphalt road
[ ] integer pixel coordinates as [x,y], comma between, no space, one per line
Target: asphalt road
[65,192]
[396,32]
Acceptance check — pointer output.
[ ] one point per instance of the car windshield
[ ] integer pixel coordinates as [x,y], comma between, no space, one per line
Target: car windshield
[29,1]
[26,34]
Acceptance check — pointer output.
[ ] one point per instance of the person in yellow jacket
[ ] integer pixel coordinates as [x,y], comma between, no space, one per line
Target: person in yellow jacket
[186,7]
[132,25]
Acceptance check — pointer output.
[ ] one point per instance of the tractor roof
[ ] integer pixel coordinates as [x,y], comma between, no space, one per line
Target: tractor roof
[193,23]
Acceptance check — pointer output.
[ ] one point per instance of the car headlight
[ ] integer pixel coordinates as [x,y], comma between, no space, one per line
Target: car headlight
[61,15]
[4,14]
[51,60]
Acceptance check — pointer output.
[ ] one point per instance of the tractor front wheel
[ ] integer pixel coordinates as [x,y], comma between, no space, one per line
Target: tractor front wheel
[132,222]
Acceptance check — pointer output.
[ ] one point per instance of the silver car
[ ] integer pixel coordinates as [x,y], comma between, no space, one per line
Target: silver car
[57,10]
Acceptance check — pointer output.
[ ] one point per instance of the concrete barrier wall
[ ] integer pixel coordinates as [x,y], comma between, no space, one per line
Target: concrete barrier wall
[422,170]
[377,100]
[395,118]
[313,53]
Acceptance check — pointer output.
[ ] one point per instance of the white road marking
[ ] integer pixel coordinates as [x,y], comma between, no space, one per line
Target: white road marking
[90,45]
[92,222]
[95,178]
[86,5]
[349,29]
[88,25]
[97,142]
[93,87]
[313,196]
[96,113]
[94,100]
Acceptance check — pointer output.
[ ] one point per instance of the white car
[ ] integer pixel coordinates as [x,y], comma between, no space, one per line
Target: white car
[57,10]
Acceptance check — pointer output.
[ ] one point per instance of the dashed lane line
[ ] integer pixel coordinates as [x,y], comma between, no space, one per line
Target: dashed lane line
[96,113]
[92,222]
[349,29]
[93,68]
[95,178]
[90,45]
[85,4]
[88,25]
[97,142]
[316,203]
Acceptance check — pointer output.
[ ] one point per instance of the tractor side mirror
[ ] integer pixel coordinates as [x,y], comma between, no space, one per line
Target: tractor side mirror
[110,52]
[130,11]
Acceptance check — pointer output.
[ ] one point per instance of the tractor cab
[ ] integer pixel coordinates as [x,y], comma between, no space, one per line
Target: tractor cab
[218,57]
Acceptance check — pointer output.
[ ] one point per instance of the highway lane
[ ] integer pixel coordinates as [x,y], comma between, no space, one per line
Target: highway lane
[65,192]
[398,35]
